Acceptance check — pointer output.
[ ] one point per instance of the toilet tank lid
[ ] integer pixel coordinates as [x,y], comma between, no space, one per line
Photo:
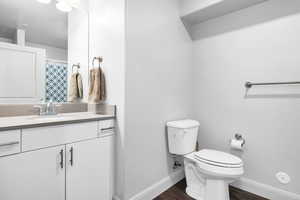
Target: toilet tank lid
[183,124]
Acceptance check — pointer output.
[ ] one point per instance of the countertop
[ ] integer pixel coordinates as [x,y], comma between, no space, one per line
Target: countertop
[33,121]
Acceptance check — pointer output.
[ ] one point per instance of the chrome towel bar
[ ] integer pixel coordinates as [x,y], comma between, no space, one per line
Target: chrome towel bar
[250,84]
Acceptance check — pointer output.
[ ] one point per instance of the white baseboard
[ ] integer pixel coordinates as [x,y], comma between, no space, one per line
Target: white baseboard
[249,185]
[159,187]
[264,190]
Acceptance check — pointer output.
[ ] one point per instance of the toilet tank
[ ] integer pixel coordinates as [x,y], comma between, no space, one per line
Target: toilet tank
[182,136]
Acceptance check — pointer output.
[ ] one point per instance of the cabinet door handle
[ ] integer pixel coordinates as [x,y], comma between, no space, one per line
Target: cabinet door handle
[61,159]
[71,157]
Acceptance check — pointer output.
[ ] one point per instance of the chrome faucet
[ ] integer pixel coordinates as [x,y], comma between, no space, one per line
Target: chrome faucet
[47,109]
[50,108]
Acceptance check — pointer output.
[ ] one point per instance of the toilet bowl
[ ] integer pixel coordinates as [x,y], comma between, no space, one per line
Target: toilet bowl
[209,172]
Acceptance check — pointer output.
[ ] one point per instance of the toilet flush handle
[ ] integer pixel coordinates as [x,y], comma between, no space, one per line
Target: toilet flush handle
[183,133]
[180,134]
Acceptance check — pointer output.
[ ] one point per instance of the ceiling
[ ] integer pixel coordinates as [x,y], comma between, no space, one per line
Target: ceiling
[210,9]
[44,24]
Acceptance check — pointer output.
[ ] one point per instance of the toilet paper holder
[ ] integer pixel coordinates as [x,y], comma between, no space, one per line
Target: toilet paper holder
[239,137]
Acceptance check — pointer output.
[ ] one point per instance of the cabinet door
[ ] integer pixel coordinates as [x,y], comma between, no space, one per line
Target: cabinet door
[89,169]
[22,72]
[36,175]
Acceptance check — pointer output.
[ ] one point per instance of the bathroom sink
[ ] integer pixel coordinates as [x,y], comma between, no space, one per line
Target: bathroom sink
[50,117]
[60,117]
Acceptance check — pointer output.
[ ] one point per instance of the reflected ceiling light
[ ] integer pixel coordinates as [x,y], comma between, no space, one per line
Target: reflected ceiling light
[44,1]
[63,6]
[73,3]
[67,5]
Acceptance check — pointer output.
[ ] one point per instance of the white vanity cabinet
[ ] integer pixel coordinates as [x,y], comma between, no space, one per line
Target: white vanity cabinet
[53,164]
[35,175]
[89,170]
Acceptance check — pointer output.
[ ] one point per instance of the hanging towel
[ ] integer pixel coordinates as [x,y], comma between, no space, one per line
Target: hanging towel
[97,91]
[76,87]
[79,86]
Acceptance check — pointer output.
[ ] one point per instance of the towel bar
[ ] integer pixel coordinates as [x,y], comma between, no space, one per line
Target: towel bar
[250,84]
[74,65]
[100,60]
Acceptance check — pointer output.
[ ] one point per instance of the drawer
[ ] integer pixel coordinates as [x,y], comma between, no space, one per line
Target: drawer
[37,138]
[106,127]
[106,124]
[10,142]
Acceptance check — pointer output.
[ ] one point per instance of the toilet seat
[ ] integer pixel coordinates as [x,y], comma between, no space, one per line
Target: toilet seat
[218,158]
[215,168]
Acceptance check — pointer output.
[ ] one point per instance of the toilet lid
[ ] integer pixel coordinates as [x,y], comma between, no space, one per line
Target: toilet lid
[218,158]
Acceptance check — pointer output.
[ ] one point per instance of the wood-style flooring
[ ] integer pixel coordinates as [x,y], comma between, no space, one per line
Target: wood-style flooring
[177,192]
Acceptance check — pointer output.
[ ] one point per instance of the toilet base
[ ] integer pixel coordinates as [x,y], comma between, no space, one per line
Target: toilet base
[208,182]
[216,190]
[193,193]
[213,189]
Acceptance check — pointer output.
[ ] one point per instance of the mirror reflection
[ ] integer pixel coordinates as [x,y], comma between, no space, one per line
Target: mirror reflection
[42,43]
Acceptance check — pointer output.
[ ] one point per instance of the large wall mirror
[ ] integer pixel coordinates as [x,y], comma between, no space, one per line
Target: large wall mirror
[40,41]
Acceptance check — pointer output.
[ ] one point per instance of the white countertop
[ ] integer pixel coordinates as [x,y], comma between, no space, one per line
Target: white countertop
[31,121]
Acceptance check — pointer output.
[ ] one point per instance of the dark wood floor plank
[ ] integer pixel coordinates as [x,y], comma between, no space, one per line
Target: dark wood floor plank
[177,192]
[238,194]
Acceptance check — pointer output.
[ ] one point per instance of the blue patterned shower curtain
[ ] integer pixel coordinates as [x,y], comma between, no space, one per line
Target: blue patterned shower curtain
[56,82]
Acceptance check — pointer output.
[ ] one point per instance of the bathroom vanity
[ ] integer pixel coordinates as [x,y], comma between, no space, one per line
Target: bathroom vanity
[64,157]
[45,155]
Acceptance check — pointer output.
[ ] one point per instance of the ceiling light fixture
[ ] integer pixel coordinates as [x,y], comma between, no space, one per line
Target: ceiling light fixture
[44,1]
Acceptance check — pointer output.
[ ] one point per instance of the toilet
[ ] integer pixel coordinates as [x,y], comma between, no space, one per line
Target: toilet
[208,172]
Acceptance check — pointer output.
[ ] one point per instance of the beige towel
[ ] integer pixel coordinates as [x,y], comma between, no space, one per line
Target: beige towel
[97,91]
[79,86]
[76,87]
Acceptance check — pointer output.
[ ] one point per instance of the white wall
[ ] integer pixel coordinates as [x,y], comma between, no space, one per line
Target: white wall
[158,88]
[259,44]
[78,43]
[107,39]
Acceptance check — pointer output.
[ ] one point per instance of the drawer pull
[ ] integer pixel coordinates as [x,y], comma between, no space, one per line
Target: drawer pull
[108,129]
[71,159]
[9,144]
[61,158]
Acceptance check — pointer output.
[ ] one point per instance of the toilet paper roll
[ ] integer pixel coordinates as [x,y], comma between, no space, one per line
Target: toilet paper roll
[237,144]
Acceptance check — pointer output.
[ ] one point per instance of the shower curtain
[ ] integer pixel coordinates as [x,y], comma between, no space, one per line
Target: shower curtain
[56,81]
